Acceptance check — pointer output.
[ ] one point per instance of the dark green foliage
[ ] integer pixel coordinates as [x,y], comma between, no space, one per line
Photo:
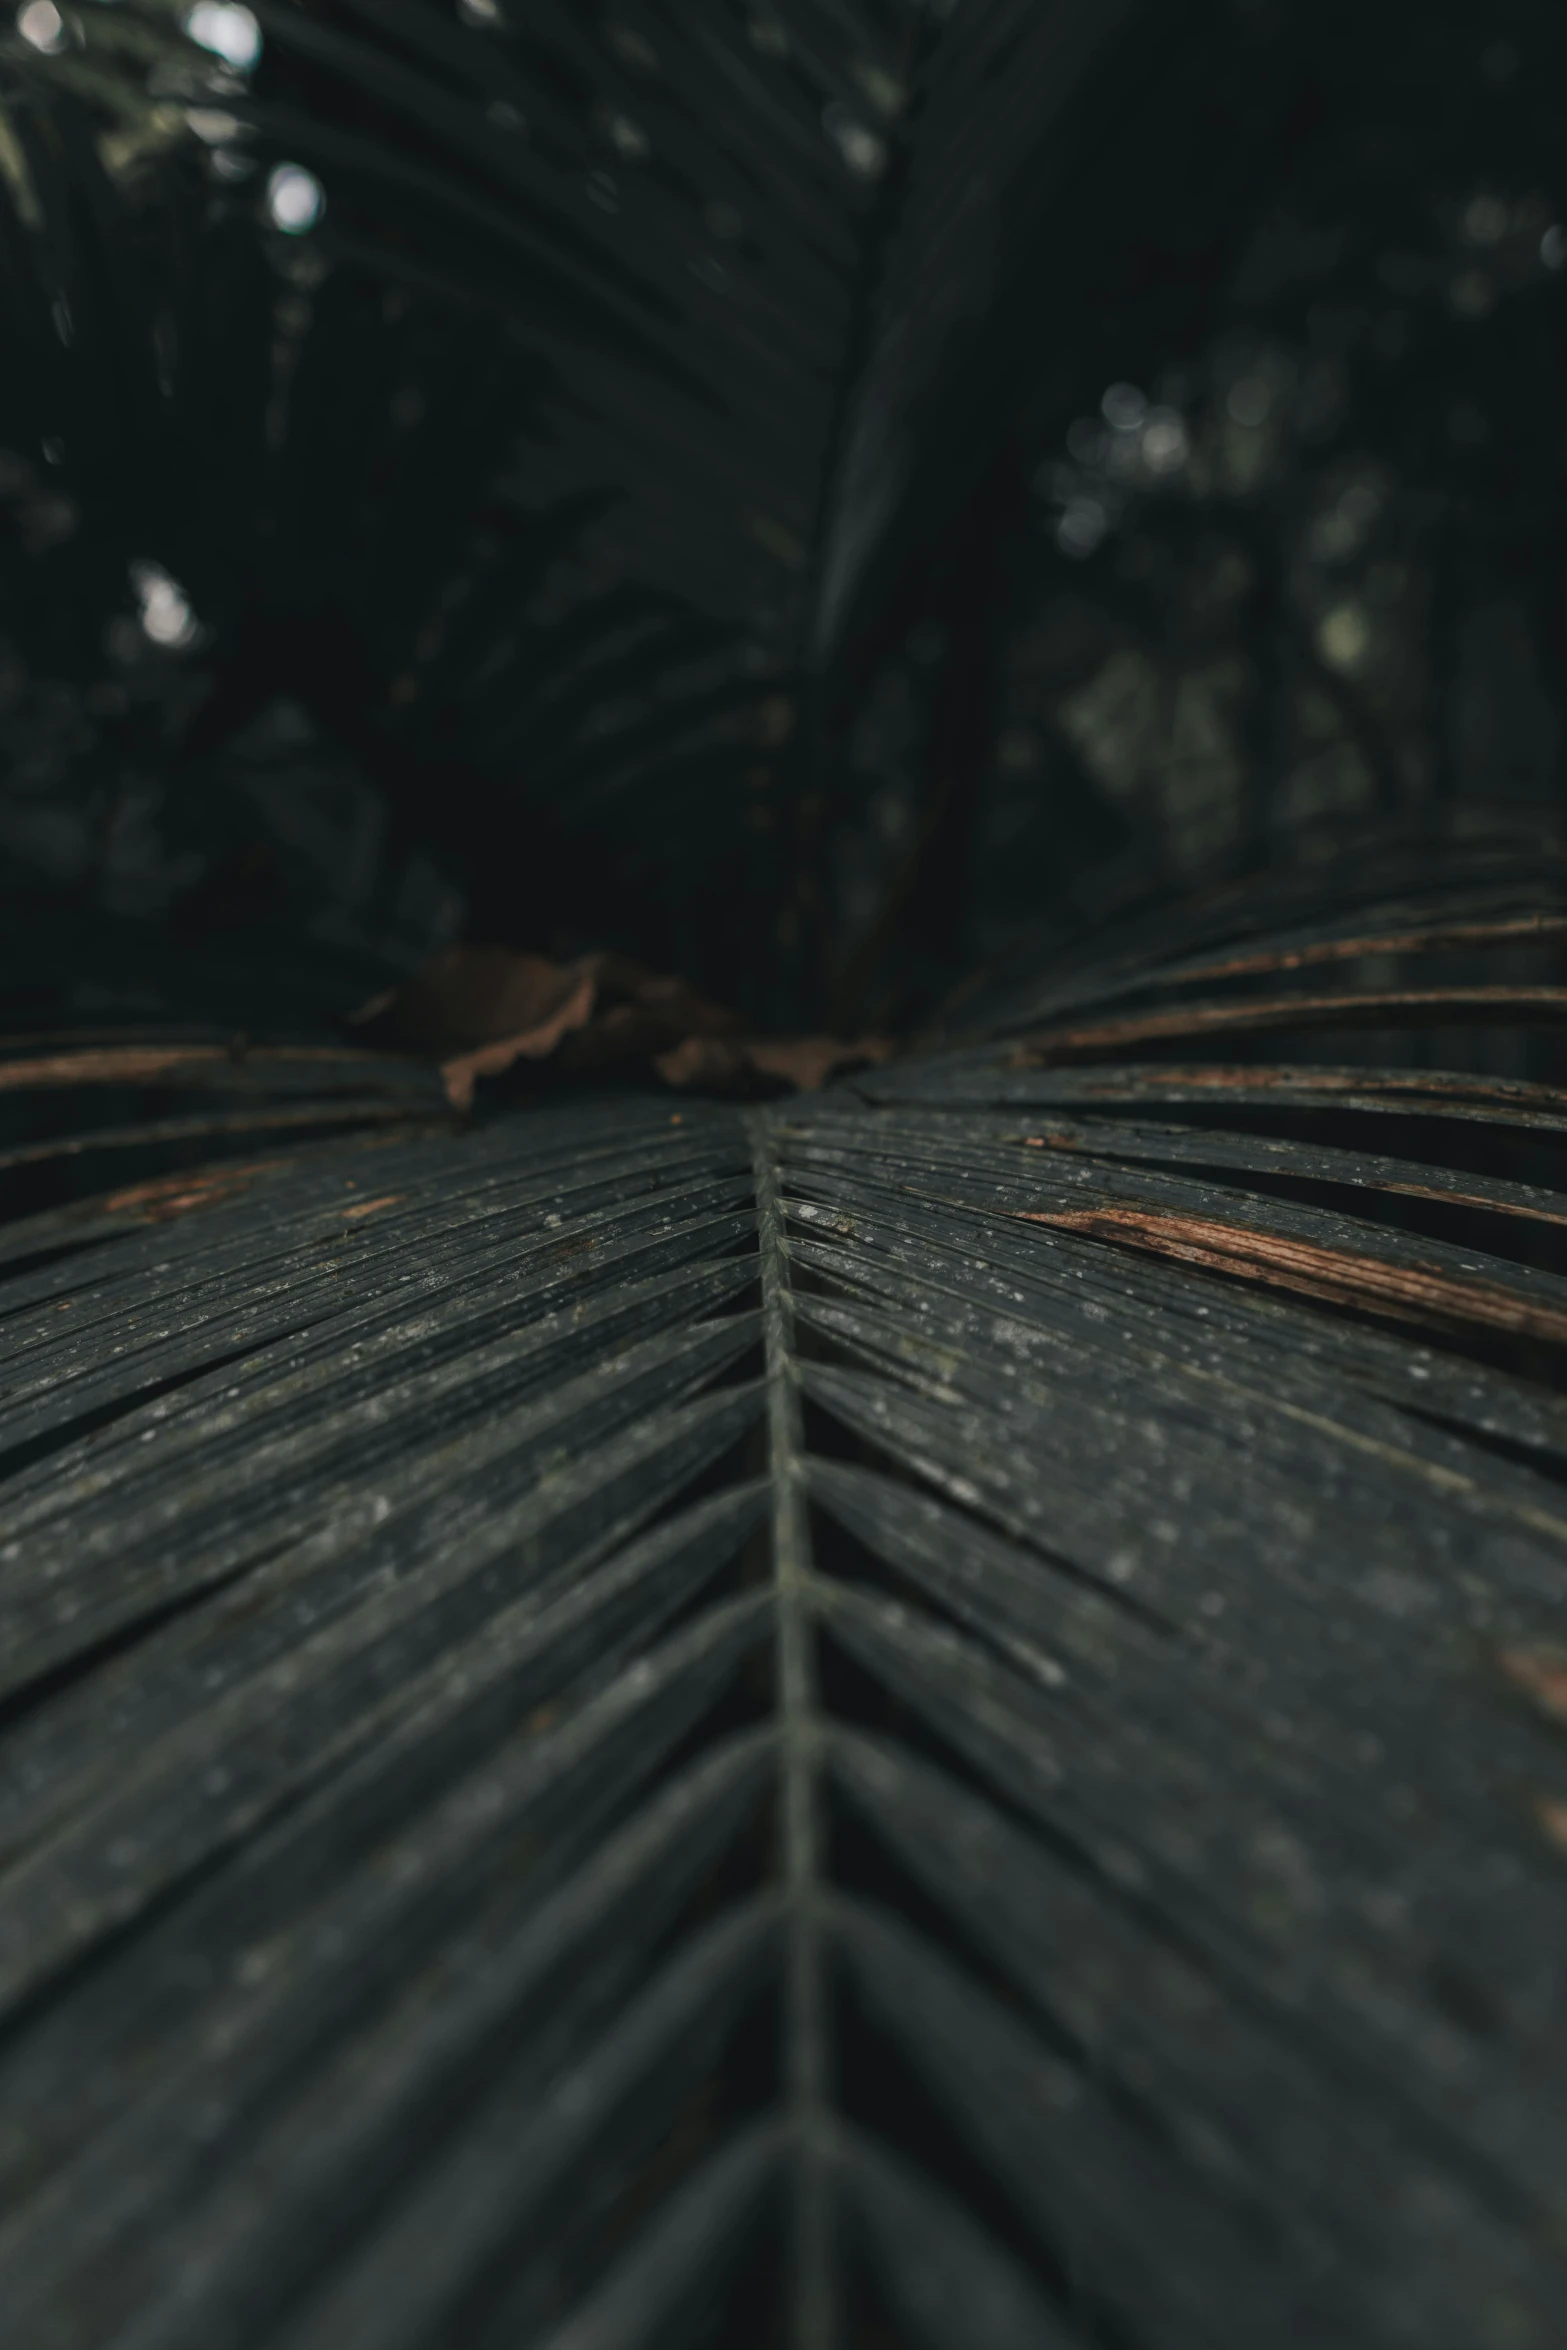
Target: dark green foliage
[928,1715]
[1014,1787]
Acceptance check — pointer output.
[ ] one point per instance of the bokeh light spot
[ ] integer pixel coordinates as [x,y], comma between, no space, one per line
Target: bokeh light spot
[230,32]
[1485,220]
[1344,636]
[1124,407]
[166,616]
[862,149]
[212,126]
[628,138]
[42,26]
[1166,444]
[295,199]
[1250,401]
[1081,527]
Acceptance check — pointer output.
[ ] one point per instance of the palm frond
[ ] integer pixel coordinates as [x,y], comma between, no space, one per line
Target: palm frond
[628,188]
[880,1706]
[932,1711]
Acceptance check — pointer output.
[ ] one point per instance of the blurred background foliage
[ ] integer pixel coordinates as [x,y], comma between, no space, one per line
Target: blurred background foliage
[445,482]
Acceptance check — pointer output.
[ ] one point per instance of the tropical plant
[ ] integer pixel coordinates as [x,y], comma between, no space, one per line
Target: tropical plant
[921,1713]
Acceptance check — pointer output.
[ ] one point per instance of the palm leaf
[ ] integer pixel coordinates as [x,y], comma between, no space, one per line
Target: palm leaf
[928,1715]
[881,1706]
[247,428]
[631,188]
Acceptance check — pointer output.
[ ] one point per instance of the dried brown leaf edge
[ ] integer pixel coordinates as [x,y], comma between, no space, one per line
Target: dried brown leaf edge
[480,1011]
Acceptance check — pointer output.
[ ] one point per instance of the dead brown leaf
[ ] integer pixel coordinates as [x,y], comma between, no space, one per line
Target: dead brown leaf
[372,1207]
[108,1065]
[170,1196]
[468,996]
[481,1010]
[1332,1276]
[529,1044]
[1384,1008]
[1418,939]
[736,1064]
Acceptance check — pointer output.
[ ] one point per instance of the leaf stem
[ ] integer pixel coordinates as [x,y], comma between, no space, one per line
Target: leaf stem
[812,2318]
